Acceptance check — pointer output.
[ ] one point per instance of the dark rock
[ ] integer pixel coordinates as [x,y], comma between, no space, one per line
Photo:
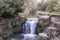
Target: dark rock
[10,26]
[44,22]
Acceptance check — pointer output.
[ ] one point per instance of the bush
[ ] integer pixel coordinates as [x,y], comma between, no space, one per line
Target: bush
[51,4]
[10,7]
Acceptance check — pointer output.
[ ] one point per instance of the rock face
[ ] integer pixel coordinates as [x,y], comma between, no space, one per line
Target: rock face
[43,36]
[3,32]
[50,34]
[56,21]
[53,31]
[9,27]
[44,22]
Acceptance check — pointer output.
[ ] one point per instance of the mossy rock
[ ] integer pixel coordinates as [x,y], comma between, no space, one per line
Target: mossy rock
[43,24]
[10,26]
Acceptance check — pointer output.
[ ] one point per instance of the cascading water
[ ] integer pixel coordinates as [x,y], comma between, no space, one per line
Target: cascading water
[29,29]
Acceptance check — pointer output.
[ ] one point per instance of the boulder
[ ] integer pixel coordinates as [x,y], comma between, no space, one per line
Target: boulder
[56,21]
[43,36]
[44,20]
[51,31]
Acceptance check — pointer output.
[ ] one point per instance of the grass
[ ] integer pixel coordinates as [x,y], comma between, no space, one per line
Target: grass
[48,13]
[38,14]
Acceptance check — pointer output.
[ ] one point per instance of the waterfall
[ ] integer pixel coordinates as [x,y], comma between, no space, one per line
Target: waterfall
[29,29]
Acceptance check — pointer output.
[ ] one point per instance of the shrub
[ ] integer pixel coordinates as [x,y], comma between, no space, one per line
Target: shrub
[51,4]
[10,7]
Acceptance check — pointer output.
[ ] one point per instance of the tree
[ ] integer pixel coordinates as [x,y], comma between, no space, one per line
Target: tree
[10,7]
[51,4]
[8,11]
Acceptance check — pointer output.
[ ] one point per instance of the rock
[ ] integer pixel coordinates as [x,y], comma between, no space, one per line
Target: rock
[44,17]
[3,32]
[43,35]
[18,37]
[51,31]
[52,28]
[56,22]
[10,26]
[43,20]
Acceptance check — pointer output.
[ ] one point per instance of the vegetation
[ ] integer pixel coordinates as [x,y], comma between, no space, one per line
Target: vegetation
[10,22]
[51,4]
[10,7]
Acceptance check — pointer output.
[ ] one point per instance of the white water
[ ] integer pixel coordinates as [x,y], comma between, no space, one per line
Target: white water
[41,1]
[29,29]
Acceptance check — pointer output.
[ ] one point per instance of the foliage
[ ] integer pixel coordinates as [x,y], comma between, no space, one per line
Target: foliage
[51,4]
[42,6]
[10,7]
[57,7]
[9,28]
